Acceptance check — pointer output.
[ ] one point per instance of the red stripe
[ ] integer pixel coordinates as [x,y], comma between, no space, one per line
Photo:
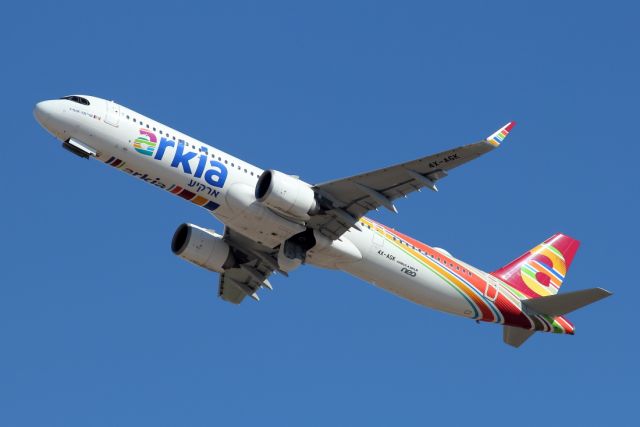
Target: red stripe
[186,194]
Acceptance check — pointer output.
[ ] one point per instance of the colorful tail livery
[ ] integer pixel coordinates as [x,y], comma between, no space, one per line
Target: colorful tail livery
[537,276]
[540,271]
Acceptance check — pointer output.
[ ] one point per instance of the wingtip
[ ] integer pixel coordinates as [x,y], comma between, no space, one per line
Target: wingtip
[498,136]
[605,292]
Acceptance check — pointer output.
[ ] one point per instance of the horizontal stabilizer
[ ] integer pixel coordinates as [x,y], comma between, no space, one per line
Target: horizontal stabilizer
[559,304]
[515,337]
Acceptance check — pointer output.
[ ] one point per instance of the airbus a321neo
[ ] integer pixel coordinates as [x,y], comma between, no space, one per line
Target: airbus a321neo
[274,222]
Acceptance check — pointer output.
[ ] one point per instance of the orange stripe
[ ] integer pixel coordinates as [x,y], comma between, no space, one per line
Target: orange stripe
[485,310]
[563,323]
[199,200]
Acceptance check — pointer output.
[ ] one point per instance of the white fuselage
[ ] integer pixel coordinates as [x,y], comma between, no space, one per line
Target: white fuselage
[224,184]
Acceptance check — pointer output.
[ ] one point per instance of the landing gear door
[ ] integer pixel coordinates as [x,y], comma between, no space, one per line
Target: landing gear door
[113,114]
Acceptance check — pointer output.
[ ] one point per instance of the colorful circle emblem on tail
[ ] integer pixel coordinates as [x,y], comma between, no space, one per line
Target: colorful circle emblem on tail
[544,270]
[145,143]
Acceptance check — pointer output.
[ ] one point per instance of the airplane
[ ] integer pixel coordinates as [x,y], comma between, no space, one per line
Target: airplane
[275,222]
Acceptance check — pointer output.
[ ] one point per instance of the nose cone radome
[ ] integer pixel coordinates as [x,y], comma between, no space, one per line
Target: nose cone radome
[43,112]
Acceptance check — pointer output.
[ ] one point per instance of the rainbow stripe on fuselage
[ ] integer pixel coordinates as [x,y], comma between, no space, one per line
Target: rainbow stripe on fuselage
[472,285]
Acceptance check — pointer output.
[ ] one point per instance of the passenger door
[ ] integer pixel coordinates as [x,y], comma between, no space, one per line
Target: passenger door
[113,114]
[377,238]
[491,291]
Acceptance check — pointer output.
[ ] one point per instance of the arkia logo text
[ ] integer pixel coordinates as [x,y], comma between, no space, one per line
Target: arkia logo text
[214,173]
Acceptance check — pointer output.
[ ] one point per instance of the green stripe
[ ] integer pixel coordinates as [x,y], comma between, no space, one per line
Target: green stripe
[471,303]
[528,271]
[497,313]
[555,251]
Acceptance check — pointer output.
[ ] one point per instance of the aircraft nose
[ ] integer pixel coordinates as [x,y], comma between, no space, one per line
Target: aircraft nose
[43,111]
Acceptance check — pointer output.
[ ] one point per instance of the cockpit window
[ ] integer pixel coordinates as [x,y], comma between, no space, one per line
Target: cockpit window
[77,99]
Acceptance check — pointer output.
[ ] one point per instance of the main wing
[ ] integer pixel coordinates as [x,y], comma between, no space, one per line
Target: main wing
[350,198]
[255,264]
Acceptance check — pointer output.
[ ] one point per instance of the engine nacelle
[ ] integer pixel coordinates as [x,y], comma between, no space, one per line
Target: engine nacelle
[202,247]
[286,194]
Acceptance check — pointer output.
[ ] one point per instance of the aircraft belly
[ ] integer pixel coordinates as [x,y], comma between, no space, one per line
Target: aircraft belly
[393,270]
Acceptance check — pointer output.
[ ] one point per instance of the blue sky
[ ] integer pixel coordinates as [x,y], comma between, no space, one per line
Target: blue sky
[101,325]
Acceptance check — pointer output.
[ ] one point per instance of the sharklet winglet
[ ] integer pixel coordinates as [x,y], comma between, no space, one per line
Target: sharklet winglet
[498,136]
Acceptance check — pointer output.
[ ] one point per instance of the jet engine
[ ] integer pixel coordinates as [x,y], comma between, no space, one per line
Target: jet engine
[286,194]
[202,247]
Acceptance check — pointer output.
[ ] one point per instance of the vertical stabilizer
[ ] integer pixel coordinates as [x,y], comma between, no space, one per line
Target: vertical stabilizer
[541,271]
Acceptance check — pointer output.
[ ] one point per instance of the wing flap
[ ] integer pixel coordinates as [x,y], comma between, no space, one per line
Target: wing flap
[255,265]
[229,290]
